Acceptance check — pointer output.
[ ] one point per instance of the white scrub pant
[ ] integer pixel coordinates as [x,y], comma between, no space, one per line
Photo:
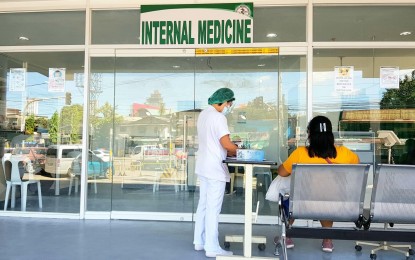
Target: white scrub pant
[207,214]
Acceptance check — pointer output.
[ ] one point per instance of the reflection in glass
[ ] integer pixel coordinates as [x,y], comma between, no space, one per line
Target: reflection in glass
[154,97]
[372,105]
[102,119]
[144,115]
[39,125]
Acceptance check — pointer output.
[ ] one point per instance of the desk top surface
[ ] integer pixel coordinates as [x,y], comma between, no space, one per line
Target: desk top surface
[230,160]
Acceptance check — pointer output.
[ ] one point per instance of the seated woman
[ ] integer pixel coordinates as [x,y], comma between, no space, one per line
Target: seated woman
[320,149]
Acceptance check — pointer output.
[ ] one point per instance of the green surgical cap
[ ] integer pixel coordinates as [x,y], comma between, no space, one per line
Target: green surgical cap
[221,95]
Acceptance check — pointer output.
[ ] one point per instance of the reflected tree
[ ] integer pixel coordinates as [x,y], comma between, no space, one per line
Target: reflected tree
[102,122]
[54,128]
[42,122]
[30,124]
[71,122]
[258,109]
[404,97]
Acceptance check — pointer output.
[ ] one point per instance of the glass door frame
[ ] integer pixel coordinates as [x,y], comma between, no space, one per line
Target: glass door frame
[190,52]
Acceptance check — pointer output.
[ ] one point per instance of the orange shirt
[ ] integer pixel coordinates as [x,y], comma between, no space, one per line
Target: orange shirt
[300,155]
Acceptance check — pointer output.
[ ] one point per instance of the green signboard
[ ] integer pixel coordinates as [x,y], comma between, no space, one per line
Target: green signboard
[197,24]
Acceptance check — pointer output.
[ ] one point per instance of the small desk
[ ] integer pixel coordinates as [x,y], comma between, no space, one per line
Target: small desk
[247,237]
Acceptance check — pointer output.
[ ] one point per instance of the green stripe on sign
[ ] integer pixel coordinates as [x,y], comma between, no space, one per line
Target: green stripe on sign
[229,7]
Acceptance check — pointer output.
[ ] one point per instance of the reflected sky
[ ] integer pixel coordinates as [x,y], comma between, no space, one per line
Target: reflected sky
[189,88]
[37,88]
[178,87]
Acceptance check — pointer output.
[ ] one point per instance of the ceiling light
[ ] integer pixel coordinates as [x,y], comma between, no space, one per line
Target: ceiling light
[175,66]
[22,38]
[405,33]
[261,65]
[271,35]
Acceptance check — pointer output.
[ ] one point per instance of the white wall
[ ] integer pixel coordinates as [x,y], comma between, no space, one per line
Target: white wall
[38,5]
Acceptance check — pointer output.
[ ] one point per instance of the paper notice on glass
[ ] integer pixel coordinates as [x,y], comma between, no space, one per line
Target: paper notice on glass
[56,80]
[79,80]
[343,79]
[389,77]
[17,79]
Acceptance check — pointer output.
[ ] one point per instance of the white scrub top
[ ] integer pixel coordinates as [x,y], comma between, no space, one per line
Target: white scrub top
[211,127]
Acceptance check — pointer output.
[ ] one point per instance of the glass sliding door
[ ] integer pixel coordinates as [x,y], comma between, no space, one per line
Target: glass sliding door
[143,113]
[41,127]
[153,129]
[254,118]
[101,123]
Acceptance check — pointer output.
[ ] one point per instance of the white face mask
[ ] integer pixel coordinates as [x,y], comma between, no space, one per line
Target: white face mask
[226,110]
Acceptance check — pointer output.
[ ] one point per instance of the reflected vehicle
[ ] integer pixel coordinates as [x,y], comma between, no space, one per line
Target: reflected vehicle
[59,158]
[103,154]
[150,153]
[96,166]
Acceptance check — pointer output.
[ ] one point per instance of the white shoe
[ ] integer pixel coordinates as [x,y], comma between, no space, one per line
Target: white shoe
[218,252]
[199,247]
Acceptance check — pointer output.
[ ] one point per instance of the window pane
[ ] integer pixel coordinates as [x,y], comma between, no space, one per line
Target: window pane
[293,105]
[51,28]
[379,94]
[122,27]
[34,101]
[116,27]
[363,23]
[101,133]
[288,23]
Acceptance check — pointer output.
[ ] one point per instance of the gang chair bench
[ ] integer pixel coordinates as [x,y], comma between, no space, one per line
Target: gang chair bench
[336,192]
[392,202]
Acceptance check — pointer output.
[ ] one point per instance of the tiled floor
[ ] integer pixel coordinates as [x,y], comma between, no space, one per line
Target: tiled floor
[32,238]
[40,238]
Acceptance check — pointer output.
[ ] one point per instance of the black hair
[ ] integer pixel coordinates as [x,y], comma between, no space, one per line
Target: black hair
[409,156]
[321,138]
[231,100]
[410,145]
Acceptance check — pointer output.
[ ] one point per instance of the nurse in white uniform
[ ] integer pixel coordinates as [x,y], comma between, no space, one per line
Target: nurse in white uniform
[214,146]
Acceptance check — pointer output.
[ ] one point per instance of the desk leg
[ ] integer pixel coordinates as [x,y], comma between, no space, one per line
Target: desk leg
[57,186]
[248,211]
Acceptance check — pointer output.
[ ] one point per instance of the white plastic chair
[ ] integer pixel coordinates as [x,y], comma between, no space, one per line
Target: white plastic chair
[13,179]
[77,177]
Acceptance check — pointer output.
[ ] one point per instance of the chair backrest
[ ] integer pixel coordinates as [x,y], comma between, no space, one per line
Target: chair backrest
[328,191]
[6,171]
[12,168]
[393,194]
[5,157]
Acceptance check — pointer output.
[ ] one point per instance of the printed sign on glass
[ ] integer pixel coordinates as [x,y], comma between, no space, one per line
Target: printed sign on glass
[17,79]
[56,79]
[343,79]
[389,77]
